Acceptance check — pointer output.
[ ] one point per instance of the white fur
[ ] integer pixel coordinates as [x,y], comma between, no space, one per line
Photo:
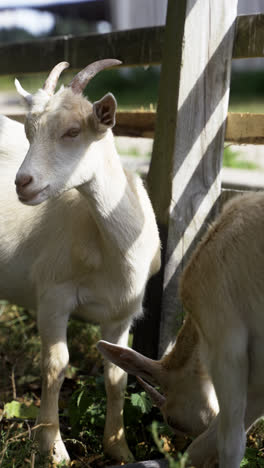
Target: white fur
[84,246]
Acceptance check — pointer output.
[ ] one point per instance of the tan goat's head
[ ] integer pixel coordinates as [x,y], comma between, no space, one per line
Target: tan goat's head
[188,402]
[64,130]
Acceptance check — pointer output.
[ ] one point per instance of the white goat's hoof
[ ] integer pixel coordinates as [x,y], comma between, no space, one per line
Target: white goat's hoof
[59,453]
[50,443]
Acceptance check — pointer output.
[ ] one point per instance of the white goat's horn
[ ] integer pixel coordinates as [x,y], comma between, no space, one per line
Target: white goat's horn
[156,397]
[52,80]
[80,81]
[27,96]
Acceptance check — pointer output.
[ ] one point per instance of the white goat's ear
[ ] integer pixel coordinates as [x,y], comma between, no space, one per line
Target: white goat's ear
[104,112]
[27,96]
[132,362]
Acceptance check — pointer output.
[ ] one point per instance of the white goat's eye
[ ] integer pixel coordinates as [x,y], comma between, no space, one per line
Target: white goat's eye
[72,133]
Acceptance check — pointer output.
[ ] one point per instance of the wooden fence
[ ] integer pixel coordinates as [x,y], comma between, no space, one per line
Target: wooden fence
[137,47]
[196,48]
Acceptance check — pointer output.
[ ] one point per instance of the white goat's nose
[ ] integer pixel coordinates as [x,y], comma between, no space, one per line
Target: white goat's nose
[23,180]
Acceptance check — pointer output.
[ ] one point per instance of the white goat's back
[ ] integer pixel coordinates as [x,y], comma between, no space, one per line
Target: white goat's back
[13,142]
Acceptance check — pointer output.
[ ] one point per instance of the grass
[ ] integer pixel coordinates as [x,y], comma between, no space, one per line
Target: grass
[82,399]
[82,404]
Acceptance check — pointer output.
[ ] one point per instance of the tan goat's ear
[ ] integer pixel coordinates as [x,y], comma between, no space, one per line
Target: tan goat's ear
[132,362]
[104,112]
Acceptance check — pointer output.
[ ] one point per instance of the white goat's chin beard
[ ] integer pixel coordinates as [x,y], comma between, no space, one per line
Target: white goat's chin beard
[36,198]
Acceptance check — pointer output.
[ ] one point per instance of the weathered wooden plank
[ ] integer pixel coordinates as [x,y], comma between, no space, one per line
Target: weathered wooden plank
[241,128]
[161,169]
[135,123]
[184,177]
[249,37]
[133,47]
[245,128]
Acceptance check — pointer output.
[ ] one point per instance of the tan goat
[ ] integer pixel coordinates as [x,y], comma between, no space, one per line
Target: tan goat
[87,247]
[220,347]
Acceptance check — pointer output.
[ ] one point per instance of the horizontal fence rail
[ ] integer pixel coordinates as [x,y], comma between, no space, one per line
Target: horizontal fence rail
[133,47]
[241,128]
[141,46]
[249,38]
[245,128]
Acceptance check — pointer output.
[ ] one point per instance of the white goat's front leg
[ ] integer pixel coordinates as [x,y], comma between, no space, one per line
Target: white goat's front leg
[53,313]
[229,370]
[115,383]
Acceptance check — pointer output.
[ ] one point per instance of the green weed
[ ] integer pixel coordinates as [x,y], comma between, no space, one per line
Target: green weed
[17,447]
[82,403]
[178,461]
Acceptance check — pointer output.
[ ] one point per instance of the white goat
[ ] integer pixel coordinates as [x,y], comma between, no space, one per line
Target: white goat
[89,246]
[220,347]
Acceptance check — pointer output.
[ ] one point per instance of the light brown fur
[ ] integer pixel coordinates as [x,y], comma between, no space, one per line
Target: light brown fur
[220,346]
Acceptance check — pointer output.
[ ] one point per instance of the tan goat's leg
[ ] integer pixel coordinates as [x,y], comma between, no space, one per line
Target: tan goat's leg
[203,451]
[115,383]
[229,372]
[53,315]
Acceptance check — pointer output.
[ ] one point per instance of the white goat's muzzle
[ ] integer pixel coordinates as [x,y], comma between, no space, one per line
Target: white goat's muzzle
[27,192]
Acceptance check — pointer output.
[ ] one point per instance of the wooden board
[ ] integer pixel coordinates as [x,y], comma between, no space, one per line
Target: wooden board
[241,128]
[184,177]
[134,47]
[135,123]
[249,37]
[245,128]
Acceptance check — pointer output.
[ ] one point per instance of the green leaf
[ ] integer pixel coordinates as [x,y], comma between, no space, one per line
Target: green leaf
[14,409]
[251,459]
[141,401]
[80,397]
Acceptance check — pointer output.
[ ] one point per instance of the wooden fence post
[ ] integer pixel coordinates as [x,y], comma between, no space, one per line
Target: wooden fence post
[184,177]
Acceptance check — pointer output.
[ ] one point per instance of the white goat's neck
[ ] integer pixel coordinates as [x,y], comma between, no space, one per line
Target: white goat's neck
[111,198]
